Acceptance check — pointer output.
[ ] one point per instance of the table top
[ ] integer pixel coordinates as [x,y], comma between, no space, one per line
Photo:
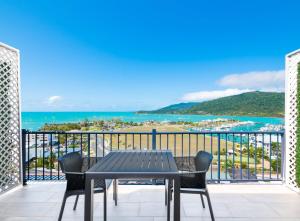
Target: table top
[136,162]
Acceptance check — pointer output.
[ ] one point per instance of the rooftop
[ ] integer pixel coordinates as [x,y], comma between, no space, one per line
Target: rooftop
[42,200]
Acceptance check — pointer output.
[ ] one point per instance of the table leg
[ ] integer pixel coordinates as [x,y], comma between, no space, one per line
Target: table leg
[177,199]
[169,192]
[89,199]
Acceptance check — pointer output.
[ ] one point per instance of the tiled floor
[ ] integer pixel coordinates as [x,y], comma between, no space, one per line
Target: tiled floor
[41,202]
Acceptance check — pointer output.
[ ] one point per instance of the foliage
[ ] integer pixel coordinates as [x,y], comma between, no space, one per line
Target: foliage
[247,104]
[274,165]
[244,165]
[222,152]
[61,127]
[87,125]
[48,161]
[298,130]
[174,108]
[229,164]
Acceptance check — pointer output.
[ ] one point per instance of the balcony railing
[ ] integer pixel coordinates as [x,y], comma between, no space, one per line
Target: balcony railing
[238,156]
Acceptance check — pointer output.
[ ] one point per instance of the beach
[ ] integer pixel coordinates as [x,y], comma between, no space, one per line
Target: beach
[35,120]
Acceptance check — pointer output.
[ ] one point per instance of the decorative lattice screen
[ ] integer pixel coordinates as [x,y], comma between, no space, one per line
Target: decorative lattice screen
[291,72]
[9,118]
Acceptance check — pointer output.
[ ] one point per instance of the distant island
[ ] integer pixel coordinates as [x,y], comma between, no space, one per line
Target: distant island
[265,104]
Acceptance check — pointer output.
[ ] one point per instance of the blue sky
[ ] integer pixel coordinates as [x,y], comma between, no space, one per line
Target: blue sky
[132,55]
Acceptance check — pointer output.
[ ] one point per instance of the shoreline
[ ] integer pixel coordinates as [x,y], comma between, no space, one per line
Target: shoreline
[35,120]
[150,113]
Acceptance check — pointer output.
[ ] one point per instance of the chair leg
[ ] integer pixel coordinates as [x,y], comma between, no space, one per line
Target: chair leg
[76,201]
[210,207]
[62,206]
[104,205]
[115,192]
[202,200]
[170,191]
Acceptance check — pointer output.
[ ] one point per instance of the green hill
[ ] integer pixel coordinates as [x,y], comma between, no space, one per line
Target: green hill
[173,109]
[257,103]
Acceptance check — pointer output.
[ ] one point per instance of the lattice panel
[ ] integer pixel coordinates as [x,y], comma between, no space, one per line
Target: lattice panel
[292,61]
[9,118]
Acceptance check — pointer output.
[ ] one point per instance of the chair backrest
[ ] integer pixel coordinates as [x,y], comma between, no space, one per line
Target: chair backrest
[202,163]
[203,160]
[71,162]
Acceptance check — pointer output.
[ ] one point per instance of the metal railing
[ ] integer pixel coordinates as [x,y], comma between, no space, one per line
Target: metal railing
[238,156]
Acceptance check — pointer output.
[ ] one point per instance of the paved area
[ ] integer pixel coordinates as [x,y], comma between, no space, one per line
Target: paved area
[42,201]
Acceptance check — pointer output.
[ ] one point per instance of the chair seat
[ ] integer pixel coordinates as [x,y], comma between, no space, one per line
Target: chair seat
[190,181]
[99,184]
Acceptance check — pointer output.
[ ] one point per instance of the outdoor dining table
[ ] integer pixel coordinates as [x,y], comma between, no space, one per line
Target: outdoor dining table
[154,164]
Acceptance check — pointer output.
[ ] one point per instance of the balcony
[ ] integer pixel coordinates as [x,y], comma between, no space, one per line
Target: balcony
[246,180]
[247,188]
[41,201]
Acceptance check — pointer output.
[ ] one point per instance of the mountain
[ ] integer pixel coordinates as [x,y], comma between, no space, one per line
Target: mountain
[174,108]
[268,104]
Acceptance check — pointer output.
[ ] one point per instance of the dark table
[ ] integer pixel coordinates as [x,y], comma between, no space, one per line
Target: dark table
[133,164]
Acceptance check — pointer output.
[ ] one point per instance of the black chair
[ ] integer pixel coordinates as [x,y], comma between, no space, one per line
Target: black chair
[193,177]
[73,165]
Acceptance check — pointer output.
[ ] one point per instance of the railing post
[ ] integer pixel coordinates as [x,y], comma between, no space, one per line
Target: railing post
[89,145]
[89,148]
[153,139]
[23,161]
[219,158]
[153,148]
[282,157]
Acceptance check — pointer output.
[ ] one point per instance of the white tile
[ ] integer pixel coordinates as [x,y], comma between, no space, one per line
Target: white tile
[153,209]
[29,197]
[27,209]
[287,210]
[219,209]
[42,201]
[252,210]
[124,209]
[26,219]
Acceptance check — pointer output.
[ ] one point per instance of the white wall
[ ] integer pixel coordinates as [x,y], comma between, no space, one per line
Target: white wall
[10,148]
[291,67]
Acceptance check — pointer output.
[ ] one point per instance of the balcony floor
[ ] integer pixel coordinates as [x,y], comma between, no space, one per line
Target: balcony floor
[245,202]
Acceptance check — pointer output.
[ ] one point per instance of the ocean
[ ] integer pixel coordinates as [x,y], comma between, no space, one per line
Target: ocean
[35,120]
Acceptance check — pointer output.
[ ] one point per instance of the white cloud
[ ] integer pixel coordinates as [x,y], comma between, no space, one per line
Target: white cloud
[256,80]
[209,95]
[242,83]
[53,100]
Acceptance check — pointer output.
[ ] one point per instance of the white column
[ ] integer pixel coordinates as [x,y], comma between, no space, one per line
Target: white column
[291,72]
[10,146]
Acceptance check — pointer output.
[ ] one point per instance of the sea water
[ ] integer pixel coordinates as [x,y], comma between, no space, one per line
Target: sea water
[35,120]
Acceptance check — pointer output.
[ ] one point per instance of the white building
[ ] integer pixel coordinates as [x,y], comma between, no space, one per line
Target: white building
[40,139]
[265,141]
